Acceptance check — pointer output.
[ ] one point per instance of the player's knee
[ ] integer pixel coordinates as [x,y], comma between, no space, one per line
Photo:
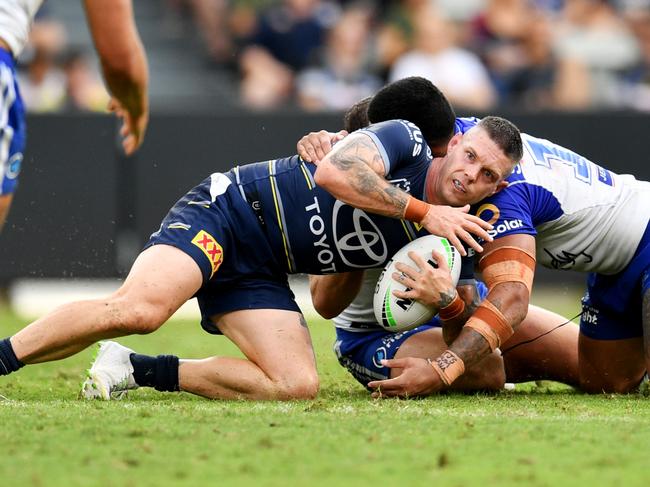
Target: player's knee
[303,387]
[140,318]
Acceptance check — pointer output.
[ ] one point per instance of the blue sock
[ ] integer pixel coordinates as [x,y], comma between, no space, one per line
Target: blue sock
[8,361]
[160,372]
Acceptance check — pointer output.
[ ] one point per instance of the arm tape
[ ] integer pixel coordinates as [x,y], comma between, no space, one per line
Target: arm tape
[490,323]
[415,210]
[448,366]
[453,310]
[508,264]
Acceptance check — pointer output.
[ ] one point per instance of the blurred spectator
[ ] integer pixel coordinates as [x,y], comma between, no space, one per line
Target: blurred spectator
[211,19]
[459,73]
[265,83]
[396,33]
[84,89]
[594,49]
[514,39]
[288,38]
[533,86]
[42,82]
[344,77]
[243,17]
[638,93]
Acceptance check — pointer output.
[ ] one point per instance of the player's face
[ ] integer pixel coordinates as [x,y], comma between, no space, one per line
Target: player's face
[474,168]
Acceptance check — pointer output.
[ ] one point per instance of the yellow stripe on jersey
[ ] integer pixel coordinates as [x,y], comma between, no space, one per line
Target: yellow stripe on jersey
[304,172]
[277,213]
[405,227]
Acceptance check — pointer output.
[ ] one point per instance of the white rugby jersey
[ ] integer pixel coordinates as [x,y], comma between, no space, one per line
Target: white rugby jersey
[584,217]
[16,18]
[360,315]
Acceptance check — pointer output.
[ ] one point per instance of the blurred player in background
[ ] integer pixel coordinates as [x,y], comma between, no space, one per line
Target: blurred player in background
[232,240]
[124,67]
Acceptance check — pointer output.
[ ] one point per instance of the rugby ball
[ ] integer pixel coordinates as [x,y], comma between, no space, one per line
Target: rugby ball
[397,314]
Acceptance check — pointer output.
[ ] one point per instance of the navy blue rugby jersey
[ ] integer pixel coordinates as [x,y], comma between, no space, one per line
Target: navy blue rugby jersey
[313,232]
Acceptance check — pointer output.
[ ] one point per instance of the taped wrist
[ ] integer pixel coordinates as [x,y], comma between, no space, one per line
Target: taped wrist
[490,323]
[415,210]
[508,264]
[453,310]
[448,366]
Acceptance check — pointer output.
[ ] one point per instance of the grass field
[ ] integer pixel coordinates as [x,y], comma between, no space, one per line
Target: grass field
[537,436]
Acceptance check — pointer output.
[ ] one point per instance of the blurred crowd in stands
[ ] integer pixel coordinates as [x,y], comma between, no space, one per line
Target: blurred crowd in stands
[325,55]
[54,77]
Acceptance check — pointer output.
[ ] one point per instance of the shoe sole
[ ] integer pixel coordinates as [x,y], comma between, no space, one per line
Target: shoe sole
[93,387]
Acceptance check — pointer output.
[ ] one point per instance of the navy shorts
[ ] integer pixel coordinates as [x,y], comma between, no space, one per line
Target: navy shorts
[216,227]
[612,305]
[361,352]
[12,125]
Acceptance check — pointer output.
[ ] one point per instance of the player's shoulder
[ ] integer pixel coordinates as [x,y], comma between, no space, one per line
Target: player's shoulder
[401,136]
[398,126]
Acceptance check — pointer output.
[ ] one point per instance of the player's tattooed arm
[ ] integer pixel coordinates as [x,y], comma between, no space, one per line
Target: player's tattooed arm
[359,150]
[451,328]
[353,173]
[470,345]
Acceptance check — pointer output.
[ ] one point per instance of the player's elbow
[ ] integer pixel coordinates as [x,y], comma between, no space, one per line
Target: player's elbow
[324,307]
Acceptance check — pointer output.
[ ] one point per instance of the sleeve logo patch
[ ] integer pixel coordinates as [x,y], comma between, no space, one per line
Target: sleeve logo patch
[489,212]
[211,248]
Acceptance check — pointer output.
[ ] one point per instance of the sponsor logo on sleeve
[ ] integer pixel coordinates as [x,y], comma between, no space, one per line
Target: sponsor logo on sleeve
[488,212]
[211,248]
[491,214]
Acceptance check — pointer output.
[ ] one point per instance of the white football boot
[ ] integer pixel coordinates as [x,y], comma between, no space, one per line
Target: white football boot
[111,374]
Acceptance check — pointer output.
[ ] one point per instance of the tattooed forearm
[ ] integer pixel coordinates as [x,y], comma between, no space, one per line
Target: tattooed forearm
[446,297]
[398,198]
[470,346]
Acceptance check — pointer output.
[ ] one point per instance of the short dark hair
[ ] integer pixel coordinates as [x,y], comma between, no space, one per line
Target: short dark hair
[417,100]
[357,116]
[505,135]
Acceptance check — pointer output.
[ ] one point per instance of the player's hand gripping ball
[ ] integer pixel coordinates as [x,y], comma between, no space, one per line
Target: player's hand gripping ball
[398,314]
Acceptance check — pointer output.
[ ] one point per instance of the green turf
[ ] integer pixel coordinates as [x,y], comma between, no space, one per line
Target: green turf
[538,436]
